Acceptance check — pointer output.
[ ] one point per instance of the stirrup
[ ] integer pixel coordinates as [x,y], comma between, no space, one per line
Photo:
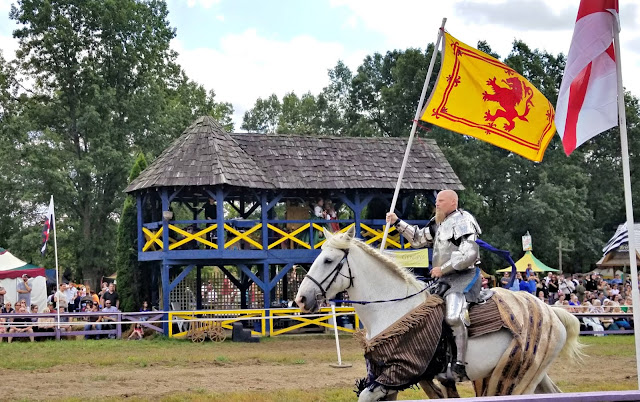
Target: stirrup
[459,371]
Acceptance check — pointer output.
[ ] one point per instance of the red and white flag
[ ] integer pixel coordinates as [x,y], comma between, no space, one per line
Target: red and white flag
[587,102]
[48,226]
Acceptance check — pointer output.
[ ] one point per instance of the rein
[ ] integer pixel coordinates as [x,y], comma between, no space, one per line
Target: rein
[333,275]
[378,301]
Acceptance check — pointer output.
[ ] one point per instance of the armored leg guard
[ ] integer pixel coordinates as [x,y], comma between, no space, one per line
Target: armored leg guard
[457,318]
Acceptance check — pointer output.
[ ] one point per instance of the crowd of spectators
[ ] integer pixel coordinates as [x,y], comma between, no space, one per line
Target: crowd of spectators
[580,293]
[69,298]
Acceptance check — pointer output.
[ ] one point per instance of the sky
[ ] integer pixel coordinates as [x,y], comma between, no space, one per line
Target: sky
[250,49]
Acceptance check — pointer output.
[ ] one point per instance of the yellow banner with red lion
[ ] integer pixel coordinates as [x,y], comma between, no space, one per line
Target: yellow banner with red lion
[479,96]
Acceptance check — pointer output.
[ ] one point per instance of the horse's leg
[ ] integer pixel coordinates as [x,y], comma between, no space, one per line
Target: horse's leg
[477,386]
[450,389]
[432,390]
[547,386]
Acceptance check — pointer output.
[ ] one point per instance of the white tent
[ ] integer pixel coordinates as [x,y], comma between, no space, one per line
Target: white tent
[11,271]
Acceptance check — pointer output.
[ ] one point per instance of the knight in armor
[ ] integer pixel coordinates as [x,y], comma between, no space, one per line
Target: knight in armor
[452,233]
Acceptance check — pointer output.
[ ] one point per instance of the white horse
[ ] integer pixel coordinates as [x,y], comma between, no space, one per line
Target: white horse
[348,263]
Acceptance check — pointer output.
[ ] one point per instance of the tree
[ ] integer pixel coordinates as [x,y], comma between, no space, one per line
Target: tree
[106,85]
[264,116]
[128,267]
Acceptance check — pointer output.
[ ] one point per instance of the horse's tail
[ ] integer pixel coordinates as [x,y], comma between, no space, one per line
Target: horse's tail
[573,347]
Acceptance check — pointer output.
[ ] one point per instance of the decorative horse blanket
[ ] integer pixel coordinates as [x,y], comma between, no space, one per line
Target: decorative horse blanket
[532,325]
[398,357]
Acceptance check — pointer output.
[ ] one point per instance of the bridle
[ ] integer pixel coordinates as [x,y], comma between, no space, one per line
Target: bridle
[333,275]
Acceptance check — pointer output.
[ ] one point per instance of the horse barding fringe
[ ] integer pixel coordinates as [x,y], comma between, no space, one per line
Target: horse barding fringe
[398,357]
[528,355]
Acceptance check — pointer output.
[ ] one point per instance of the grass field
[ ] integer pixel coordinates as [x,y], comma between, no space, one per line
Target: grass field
[292,368]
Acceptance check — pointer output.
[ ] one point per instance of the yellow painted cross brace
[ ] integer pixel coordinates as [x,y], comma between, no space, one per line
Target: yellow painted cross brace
[377,235]
[305,322]
[241,236]
[320,229]
[192,236]
[152,238]
[286,236]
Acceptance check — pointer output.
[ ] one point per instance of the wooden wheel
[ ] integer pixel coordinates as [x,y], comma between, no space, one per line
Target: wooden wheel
[198,336]
[217,334]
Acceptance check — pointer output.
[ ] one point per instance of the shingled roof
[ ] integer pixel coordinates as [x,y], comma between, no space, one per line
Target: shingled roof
[206,155]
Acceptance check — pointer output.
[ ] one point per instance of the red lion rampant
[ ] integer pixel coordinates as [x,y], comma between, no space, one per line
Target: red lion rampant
[508,98]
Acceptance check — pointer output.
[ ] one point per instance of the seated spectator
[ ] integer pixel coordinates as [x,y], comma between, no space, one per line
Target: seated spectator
[137,333]
[3,327]
[64,319]
[7,309]
[561,300]
[45,324]
[573,300]
[591,323]
[620,322]
[20,325]
[51,307]
[92,307]
[541,297]
[105,319]
[145,308]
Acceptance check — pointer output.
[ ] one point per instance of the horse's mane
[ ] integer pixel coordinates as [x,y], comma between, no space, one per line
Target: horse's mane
[343,241]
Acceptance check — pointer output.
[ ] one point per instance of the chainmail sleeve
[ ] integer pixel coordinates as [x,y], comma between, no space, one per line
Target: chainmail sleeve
[418,237]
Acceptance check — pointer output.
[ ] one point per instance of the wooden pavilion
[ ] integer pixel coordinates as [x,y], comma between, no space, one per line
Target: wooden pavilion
[262,186]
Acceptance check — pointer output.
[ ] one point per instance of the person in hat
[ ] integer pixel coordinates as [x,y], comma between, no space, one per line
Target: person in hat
[24,289]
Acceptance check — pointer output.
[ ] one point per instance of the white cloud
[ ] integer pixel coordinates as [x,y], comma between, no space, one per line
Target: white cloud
[220,17]
[248,66]
[414,23]
[202,3]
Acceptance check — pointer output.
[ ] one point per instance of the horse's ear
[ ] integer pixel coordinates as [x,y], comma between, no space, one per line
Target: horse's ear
[327,234]
[351,232]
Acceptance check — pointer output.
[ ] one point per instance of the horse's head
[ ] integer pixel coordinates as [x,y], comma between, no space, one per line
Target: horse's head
[329,273]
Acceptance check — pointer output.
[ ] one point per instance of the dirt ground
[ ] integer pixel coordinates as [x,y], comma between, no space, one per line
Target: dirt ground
[157,371]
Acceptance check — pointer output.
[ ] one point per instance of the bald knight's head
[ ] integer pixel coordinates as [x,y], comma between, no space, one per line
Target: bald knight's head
[446,203]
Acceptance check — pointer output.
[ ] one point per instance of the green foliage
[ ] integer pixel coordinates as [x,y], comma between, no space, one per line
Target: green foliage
[130,285]
[106,86]
[576,200]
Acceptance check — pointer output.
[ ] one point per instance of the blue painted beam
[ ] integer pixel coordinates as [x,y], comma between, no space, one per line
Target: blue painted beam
[280,275]
[180,277]
[165,296]
[251,275]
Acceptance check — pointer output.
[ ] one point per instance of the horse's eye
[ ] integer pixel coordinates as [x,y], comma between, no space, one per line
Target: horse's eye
[328,260]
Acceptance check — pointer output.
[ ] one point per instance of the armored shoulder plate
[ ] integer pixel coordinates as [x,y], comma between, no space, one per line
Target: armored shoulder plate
[462,223]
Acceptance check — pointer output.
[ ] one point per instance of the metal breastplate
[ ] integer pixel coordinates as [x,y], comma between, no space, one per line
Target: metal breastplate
[456,225]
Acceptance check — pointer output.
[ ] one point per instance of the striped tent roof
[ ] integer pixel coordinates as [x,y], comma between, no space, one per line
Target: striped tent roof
[13,267]
[206,155]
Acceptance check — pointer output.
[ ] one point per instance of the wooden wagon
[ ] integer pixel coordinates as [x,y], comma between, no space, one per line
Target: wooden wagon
[200,330]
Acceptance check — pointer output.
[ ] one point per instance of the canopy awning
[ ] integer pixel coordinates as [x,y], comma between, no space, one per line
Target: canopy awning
[529,258]
[12,267]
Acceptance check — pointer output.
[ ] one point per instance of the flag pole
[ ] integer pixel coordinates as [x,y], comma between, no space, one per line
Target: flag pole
[413,131]
[55,252]
[635,294]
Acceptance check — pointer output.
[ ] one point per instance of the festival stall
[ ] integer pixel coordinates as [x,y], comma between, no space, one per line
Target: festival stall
[529,258]
[11,271]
